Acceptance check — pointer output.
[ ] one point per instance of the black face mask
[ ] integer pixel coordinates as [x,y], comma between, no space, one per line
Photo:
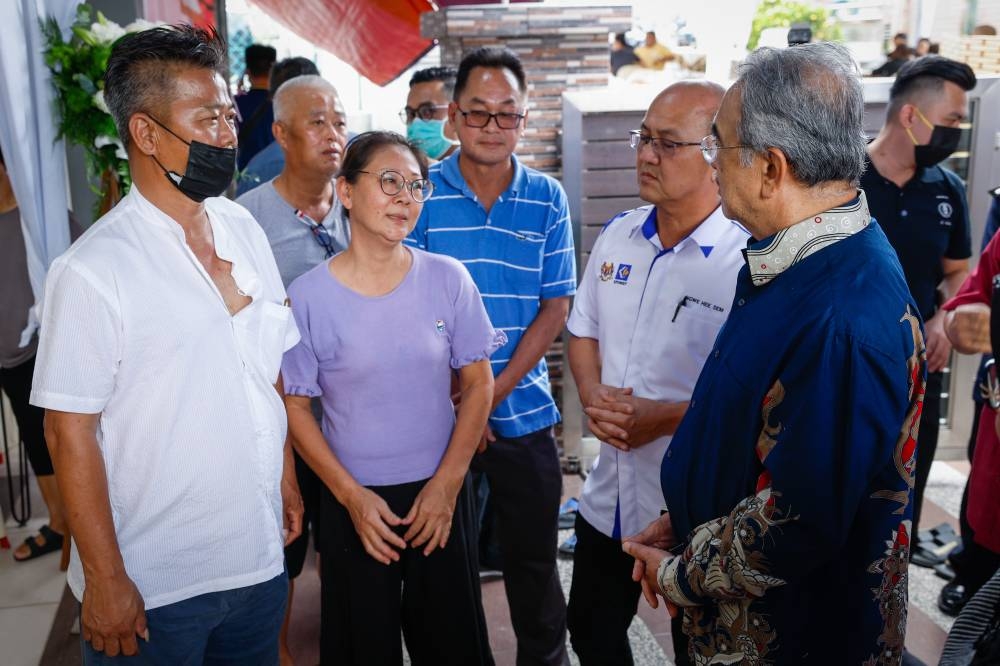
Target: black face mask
[943,142]
[209,169]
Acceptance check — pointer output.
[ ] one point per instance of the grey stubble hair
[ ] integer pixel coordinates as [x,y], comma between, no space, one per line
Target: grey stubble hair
[807,101]
[286,91]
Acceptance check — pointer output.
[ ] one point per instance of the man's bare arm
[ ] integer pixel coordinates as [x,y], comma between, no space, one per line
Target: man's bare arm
[291,497]
[585,363]
[113,611]
[968,328]
[537,339]
[615,415]
[938,345]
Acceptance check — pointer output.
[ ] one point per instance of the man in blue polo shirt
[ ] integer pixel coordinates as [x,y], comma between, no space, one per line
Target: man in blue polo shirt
[922,208]
[510,226]
[639,341]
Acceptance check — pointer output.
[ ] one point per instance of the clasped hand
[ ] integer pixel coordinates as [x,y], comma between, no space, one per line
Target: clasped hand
[428,521]
[620,419]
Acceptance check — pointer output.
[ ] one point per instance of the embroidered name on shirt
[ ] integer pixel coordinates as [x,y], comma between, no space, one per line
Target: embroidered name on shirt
[624,270]
[705,304]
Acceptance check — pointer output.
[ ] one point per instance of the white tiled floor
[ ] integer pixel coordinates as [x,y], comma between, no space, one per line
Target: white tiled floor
[29,596]
[30,591]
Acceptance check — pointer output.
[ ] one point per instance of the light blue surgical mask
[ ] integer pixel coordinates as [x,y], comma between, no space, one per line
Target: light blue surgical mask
[429,135]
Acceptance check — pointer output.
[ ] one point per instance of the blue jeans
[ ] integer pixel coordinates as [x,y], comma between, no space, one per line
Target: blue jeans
[232,627]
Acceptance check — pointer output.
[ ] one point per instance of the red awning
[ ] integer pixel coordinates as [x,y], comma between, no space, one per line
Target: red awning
[379,38]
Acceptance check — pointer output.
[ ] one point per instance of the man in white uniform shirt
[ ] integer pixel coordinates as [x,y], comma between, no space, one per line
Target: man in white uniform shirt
[655,293]
[162,334]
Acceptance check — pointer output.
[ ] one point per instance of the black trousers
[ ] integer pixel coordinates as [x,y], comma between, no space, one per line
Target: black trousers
[973,564]
[16,383]
[525,488]
[434,600]
[927,439]
[603,601]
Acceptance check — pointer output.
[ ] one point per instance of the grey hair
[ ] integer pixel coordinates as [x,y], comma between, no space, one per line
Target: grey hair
[286,92]
[807,102]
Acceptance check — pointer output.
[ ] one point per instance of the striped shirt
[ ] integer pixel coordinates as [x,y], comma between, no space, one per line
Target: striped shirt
[519,254]
[974,634]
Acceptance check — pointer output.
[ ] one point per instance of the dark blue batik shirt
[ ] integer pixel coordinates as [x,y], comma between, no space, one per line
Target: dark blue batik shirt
[789,479]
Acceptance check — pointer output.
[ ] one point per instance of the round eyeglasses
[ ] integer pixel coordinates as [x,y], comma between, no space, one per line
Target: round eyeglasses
[637,139]
[425,112]
[479,119]
[392,183]
[710,148]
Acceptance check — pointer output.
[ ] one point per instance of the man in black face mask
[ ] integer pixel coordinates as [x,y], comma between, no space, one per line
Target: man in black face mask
[922,208]
[162,335]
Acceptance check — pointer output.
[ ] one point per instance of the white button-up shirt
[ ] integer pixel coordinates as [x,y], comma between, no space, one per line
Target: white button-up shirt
[655,313]
[191,428]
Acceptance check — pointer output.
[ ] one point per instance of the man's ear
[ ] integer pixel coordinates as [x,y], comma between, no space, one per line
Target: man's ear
[453,114]
[144,134]
[775,171]
[280,134]
[907,116]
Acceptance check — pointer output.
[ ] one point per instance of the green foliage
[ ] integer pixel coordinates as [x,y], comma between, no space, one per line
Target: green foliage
[77,68]
[783,13]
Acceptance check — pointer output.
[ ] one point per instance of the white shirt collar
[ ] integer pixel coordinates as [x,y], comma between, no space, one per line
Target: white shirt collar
[706,235]
[226,247]
[791,245]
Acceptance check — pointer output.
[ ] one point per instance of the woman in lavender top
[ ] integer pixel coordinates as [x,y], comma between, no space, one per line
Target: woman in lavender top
[384,330]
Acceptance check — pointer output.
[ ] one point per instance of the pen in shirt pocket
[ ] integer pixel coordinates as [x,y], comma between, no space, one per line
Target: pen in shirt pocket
[680,304]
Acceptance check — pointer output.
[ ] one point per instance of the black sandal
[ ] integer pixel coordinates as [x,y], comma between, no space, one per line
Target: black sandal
[53,542]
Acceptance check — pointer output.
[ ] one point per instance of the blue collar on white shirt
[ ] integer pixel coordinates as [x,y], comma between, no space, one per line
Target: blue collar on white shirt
[706,235]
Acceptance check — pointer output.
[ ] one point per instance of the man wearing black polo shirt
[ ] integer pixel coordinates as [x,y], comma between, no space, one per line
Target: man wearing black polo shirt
[922,208]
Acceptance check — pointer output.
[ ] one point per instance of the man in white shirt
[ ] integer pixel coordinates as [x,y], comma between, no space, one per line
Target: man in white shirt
[163,332]
[656,291]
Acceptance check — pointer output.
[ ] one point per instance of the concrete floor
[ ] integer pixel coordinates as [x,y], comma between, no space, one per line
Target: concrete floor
[30,593]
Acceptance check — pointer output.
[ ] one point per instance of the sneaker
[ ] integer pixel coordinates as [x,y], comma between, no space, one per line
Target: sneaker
[933,546]
[567,514]
[568,546]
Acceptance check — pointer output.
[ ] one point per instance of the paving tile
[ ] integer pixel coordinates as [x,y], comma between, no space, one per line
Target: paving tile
[23,632]
[27,583]
[944,488]
[924,638]
[25,611]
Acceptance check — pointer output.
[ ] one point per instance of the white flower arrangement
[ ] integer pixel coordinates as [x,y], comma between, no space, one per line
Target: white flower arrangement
[78,67]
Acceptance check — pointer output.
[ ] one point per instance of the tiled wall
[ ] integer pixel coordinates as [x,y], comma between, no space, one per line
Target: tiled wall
[562,48]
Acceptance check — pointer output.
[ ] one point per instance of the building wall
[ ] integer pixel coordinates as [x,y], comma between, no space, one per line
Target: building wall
[563,48]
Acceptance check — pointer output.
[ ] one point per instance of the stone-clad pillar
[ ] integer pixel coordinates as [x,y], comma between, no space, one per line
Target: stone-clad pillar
[562,47]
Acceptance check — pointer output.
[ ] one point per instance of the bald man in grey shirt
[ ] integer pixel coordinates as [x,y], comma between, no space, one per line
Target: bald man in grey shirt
[296,239]
[298,210]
